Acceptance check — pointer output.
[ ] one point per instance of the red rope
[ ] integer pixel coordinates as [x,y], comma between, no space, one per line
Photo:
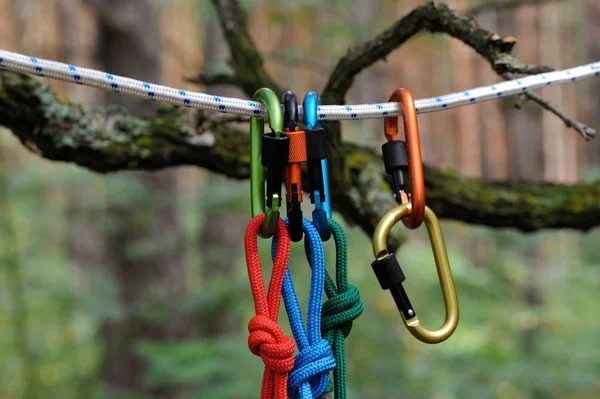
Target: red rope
[266,338]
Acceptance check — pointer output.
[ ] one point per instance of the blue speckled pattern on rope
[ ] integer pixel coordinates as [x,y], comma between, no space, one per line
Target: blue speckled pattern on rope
[154,92]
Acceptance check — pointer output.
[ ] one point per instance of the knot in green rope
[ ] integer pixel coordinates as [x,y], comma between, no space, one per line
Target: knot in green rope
[341,310]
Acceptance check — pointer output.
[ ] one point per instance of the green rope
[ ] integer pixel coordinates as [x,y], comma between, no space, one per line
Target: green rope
[341,309]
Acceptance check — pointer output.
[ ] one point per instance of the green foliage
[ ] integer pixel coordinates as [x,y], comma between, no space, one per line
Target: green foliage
[212,368]
[55,327]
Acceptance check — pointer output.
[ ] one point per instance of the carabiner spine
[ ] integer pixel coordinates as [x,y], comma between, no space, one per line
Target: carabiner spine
[257,199]
[444,272]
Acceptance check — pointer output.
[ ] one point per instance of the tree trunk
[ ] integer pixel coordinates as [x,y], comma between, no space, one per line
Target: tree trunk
[142,234]
[527,162]
[523,126]
[467,133]
[494,162]
[21,10]
[560,147]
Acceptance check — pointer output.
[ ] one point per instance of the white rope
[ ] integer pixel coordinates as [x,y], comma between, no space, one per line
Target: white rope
[90,77]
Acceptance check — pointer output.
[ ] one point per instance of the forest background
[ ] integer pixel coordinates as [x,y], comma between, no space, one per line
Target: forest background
[133,284]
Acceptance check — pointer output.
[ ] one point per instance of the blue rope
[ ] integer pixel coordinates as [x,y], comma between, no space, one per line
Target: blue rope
[310,376]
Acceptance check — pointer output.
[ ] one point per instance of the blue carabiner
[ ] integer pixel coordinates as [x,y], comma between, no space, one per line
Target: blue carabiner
[319,195]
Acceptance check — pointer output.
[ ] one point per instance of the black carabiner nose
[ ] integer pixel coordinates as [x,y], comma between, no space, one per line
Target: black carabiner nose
[395,160]
[297,156]
[290,110]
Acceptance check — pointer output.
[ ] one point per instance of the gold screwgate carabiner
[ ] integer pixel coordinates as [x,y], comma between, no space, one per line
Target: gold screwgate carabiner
[390,275]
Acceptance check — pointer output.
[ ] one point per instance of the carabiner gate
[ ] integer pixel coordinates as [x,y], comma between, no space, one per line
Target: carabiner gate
[318,175]
[297,155]
[390,275]
[397,161]
[270,151]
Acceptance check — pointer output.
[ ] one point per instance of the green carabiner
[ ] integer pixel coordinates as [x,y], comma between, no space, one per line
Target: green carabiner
[257,163]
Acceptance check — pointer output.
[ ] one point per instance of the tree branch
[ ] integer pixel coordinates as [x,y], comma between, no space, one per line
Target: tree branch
[584,131]
[435,18]
[108,139]
[526,206]
[529,69]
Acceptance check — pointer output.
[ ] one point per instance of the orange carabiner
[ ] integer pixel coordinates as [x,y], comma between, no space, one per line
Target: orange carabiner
[297,156]
[394,156]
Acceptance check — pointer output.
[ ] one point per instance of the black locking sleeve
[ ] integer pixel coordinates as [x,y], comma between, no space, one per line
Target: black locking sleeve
[395,159]
[391,277]
[275,154]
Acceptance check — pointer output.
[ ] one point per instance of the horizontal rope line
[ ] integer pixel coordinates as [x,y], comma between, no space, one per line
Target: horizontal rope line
[123,85]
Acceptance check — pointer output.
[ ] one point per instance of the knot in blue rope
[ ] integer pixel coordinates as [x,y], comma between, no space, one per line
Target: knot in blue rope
[309,367]
[310,376]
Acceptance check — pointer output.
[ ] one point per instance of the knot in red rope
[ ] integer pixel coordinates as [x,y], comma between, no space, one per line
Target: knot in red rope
[268,341]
